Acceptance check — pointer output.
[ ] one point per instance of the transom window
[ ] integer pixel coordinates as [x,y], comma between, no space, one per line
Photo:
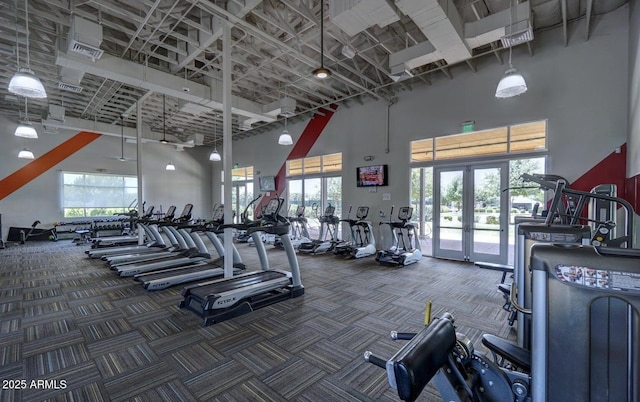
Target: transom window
[315,164]
[498,141]
[91,195]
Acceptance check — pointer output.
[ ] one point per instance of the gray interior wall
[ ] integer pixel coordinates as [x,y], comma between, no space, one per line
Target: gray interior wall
[41,198]
[581,89]
[633,146]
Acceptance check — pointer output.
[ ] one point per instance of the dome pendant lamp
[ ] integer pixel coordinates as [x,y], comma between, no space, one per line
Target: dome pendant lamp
[322,72]
[25,129]
[24,82]
[25,153]
[512,83]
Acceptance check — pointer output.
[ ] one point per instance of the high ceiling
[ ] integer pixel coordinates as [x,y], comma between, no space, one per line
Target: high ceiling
[170,51]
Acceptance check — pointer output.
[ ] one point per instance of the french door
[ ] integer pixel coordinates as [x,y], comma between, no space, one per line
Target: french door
[241,195]
[470,212]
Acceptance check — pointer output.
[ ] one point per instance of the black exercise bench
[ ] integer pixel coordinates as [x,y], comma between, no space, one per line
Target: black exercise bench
[505,269]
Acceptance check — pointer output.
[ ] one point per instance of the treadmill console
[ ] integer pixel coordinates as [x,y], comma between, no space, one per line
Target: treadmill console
[218,214]
[405,213]
[272,208]
[329,211]
[362,212]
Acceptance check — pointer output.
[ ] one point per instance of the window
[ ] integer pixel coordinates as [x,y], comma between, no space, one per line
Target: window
[314,165]
[527,137]
[89,195]
[313,181]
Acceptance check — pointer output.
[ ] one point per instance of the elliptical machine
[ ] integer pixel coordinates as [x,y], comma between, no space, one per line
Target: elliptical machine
[362,242]
[299,234]
[328,236]
[405,248]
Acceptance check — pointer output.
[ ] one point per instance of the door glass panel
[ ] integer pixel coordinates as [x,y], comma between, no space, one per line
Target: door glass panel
[295,195]
[422,204]
[334,193]
[313,195]
[522,198]
[486,211]
[450,225]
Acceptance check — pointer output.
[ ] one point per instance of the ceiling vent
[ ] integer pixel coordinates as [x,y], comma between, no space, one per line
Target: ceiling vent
[76,89]
[517,38]
[84,49]
[85,38]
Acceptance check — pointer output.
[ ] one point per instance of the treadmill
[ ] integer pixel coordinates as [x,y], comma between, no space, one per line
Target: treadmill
[155,243]
[196,254]
[124,240]
[163,279]
[223,299]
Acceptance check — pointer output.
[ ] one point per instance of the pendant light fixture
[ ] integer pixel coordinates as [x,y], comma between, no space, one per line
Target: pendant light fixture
[322,72]
[24,82]
[25,129]
[215,156]
[25,153]
[512,83]
[170,166]
[164,125]
[285,137]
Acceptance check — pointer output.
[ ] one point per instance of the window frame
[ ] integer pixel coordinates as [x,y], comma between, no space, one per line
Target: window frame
[112,209]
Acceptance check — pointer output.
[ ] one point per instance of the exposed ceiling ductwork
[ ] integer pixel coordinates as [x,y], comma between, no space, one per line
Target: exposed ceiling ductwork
[139,76]
[354,16]
[441,23]
[495,27]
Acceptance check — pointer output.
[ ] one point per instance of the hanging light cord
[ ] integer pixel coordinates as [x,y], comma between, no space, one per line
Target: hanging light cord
[26,11]
[322,34]
[122,136]
[285,116]
[510,31]
[17,38]
[164,119]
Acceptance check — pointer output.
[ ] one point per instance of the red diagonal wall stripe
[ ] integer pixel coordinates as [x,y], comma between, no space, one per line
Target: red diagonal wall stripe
[611,170]
[40,165]
[302,147]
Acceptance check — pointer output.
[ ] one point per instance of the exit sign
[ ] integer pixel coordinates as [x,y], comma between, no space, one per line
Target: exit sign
[468,126]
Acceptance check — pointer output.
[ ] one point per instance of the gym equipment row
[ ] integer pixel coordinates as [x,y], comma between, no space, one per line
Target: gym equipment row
[186,259]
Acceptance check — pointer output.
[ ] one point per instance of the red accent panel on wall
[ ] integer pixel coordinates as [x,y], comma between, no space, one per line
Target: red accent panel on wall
[610,170]
[302,147]
[40,165]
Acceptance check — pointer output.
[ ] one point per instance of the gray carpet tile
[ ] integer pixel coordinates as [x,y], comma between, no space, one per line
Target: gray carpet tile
[66,317]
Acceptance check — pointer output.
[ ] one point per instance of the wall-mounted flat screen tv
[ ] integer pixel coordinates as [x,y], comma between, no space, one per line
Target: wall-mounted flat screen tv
[267,183]
[370,176]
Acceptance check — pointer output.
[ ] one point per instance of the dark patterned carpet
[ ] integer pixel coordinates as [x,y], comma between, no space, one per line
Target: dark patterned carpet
[75,331]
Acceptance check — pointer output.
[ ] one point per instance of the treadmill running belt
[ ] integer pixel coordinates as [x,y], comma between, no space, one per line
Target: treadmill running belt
[232,284]
[168,273]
